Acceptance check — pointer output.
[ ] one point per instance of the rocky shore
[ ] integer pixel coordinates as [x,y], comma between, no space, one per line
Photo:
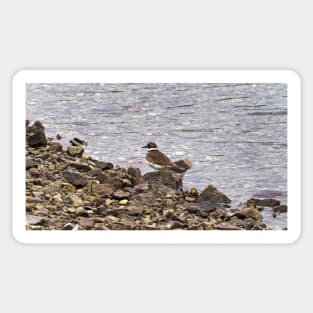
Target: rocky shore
[66,190]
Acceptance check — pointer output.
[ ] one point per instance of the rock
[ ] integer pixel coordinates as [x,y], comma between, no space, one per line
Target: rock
[75,151]
[142,188]
[111,177]
[75,179]
[68,226]
[226,226]
[34,220]
[135,175]
[185,165]
[169,203]
[79,166]
[78,142]
[37,140]
[249,213]
[80,211]
[57,200]
[85,222]
[165,177]
[120,194]
[123,202]
[280,209]
[203,206]
[104,165]
[108,202]
[55,147]
[34,172]
[127,182]
[102,189]
[30,163]
[76,201]
[35,135]
[212,195]
[190,199]
[264,202]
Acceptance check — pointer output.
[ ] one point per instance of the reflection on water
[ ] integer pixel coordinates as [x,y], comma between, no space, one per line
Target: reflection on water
[235,134]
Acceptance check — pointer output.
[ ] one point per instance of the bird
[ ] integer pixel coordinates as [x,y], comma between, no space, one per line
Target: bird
[158,160]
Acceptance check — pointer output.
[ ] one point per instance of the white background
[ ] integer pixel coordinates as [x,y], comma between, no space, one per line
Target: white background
[139,35]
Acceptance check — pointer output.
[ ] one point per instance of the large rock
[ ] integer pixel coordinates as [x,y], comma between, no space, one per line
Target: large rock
[135,175]
[164,177]
[75,151]
[75,178]
[212,195]
[111,177]
[104,165]
[264,202]
[35,135]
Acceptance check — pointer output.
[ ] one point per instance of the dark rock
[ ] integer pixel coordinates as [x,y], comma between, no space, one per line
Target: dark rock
[37,140]
[203,206]
[75,151]
[112,178]
[135,175]
[120,194]
[55,147]
[226,226]
[165,177]
[104,165]
[75,179]
[102,189]
[80,166]
[264,202]
[280,209]
[35,135]
[249,213]
[78,142]
[30,163]
[212,195]
[185,165]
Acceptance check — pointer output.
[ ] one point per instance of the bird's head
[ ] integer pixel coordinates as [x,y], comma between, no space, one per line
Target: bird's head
[150,145]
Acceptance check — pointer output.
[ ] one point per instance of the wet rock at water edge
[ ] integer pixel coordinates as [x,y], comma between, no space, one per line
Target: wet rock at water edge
[135,175]
[35,135]
[213,195]
[165,177]
[55,147]
[104,165]
[75,151]
[280,209]
[264,202]
[75,178]
[79,166]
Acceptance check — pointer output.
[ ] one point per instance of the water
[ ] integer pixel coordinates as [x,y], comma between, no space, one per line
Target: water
[235,134]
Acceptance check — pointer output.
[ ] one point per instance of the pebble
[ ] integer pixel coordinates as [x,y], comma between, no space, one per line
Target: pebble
[123,202]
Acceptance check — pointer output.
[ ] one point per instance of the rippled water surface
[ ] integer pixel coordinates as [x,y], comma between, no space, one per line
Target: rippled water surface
[235,134]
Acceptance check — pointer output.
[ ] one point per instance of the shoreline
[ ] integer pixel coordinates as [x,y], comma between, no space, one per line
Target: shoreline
[66,190]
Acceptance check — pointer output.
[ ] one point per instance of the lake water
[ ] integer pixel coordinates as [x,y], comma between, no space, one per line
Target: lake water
[235,134]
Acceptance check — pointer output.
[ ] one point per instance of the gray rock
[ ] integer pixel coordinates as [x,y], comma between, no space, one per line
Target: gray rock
[75,179]
[80,166]
[165,177]
[280,209]
[135,175]
[212,195]
[120,194]
[264,202]
[104,165]
[55,147]
[30,163]
[203,206]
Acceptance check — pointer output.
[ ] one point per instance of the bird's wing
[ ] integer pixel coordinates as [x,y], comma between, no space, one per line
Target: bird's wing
[158,157]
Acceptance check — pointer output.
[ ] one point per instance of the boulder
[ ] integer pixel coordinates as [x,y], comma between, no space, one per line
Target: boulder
[75,178]
[75,151]
[104,165]
[35,135]
[264,202]
[212,195]
[135,175]
[164,177]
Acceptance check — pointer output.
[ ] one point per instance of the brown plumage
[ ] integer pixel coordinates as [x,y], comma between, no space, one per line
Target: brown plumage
[159,160]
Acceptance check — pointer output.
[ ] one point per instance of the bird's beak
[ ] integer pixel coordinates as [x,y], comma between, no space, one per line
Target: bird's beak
[145,147]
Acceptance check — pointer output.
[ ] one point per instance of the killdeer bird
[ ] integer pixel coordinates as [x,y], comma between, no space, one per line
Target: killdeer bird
[158,160]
